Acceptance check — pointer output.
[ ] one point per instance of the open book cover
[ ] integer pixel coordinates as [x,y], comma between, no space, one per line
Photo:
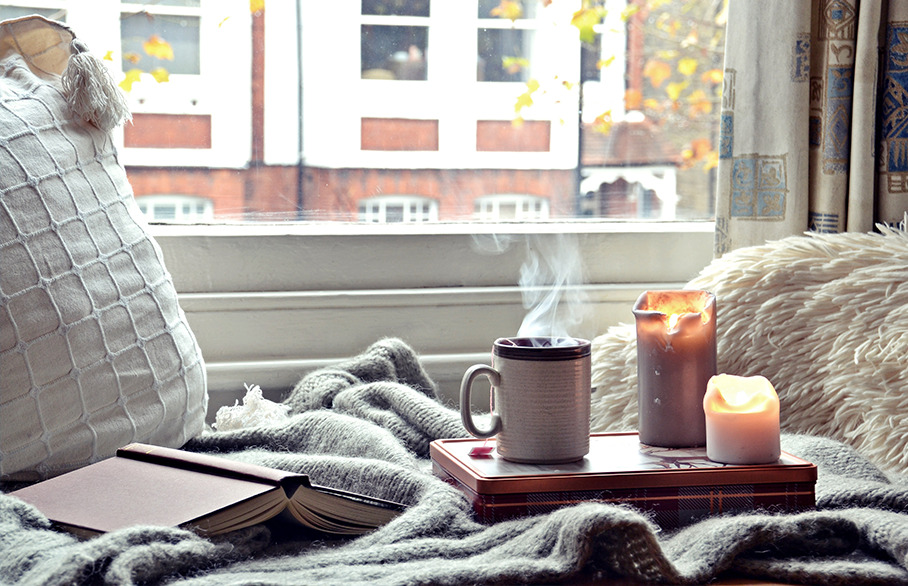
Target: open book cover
[676,486]
[152,485]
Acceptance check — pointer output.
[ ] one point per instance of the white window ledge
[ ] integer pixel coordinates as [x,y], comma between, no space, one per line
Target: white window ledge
[271,302]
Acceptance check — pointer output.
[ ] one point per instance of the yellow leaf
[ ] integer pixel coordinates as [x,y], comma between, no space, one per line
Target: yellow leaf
[699,103]
[508,9]
[586,19]
[687,66]
[108,56]
[657,72]
[525,100]
[158,47]
[711,161]
[652,105]
[674,89]
[633,99]
[701,147]
[132,76]
[256,6]
[603,122]
[713,76]
[160,74]
[603,63]
[514,64]
[132,57]
[223,20]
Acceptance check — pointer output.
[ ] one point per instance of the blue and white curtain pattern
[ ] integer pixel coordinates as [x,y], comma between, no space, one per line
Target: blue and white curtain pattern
[814,120]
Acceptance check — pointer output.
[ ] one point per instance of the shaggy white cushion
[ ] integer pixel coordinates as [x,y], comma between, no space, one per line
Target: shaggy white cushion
[95,352]
[822,316]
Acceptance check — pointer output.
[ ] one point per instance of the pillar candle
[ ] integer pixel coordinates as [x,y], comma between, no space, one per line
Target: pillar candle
[676,356]
[742,420]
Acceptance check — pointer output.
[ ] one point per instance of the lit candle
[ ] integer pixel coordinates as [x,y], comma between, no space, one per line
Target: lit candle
[676,356]
[742,420]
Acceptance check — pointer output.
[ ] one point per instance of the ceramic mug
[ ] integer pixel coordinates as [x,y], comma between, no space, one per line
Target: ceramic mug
[540,403]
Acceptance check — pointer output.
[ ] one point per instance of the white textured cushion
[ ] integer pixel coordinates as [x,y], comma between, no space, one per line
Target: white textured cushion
[95,351]
[823,316]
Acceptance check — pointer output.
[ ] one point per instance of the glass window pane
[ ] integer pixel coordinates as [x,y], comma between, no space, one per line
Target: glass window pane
[164,212]
[396,7]
[503,54]
[8,12]
[142,31]
[394,52]
[508,9]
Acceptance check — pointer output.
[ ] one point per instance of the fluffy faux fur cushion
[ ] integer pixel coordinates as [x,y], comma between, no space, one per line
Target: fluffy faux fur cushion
[822,316]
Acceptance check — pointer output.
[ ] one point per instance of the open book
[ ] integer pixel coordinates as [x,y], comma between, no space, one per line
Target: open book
[151,485]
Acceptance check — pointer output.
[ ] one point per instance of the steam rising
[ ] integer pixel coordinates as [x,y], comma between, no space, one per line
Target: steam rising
[550,282]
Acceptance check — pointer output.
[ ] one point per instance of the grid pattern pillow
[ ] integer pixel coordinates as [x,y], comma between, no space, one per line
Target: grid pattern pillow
[95,351]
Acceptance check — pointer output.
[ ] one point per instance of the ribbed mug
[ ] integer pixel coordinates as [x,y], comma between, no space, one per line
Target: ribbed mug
[540,399]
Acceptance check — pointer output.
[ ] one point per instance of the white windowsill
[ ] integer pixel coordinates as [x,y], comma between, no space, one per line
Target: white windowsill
[271,302]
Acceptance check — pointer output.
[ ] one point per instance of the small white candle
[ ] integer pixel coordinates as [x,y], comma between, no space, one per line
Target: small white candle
[742,420]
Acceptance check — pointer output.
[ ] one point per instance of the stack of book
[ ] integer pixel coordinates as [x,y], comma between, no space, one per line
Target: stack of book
[675,486]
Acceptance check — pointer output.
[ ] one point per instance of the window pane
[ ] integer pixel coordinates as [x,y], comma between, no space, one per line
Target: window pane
[503,54]
[9,12]
[186,3]
[396,7]
[499,9]
[180,32]
[394,52]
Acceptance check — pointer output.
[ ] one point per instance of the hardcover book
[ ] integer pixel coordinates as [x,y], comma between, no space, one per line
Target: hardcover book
[151,485]
[675,486]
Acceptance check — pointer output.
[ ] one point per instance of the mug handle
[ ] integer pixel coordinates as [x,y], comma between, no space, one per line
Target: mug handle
[466,390]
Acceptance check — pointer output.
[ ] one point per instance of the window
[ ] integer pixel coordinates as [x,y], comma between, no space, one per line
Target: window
[506,208]
[175,22]
[390,49]
[505,46]
[395,209]
[175,208]
[55,10]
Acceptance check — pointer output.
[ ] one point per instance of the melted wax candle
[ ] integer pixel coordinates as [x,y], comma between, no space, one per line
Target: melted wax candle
[742,420]
[676,356]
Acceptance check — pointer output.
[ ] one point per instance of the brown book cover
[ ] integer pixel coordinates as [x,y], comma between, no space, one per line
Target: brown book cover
[676,486]
[152,485]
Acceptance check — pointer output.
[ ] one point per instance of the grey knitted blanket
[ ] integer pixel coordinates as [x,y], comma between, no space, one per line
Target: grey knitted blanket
[366,426]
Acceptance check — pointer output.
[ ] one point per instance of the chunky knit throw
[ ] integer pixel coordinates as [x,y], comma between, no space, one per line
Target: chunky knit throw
[366,426]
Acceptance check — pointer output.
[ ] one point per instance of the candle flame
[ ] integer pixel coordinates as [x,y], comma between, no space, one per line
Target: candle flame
[735,394]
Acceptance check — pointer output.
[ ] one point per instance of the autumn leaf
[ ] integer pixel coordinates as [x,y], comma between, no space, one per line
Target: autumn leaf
[687,66]
[132,57]
[508,9]
[674,89]
[514,64]
[699,103]
[155,46]
[132,76]
[108,56]
[711,160]
[525,100]
[603,63]
[633,99]
[256,6]
[652,105]
[713,76]
[701,147]
[585,19]
[657,72]
[603,122]
[160,74]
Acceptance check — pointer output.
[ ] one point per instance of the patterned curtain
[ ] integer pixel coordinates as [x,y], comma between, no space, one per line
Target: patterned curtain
[814,121]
